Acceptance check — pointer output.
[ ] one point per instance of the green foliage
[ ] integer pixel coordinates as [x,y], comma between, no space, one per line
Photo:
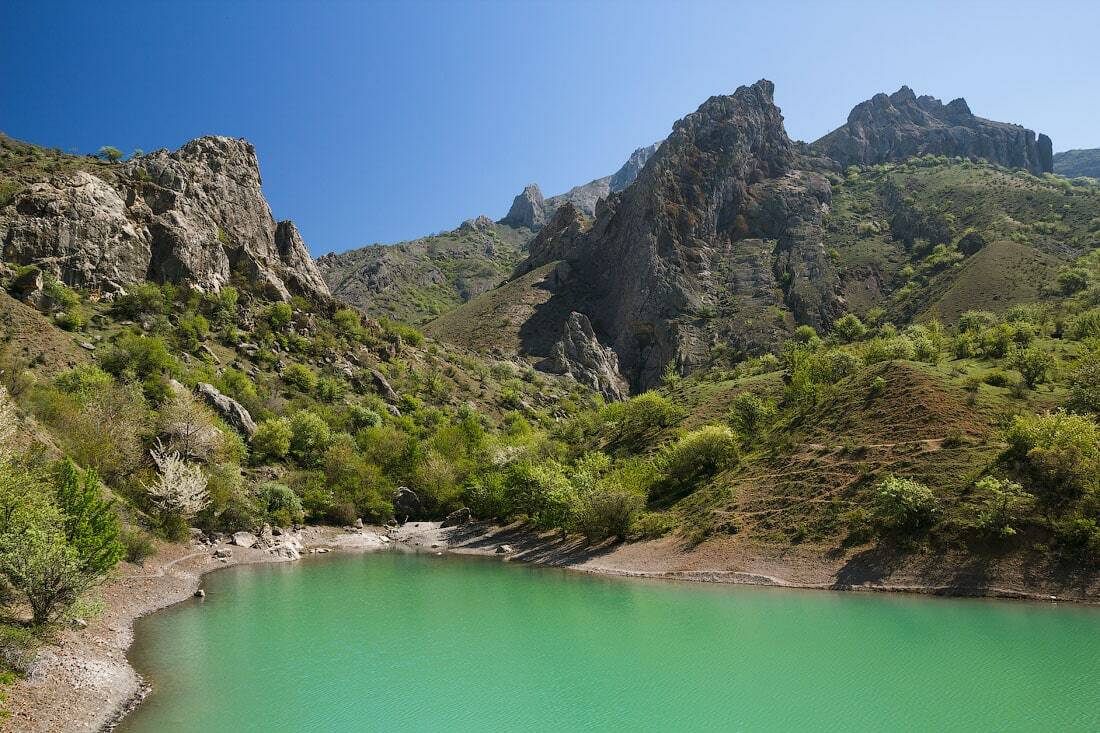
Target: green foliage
[749,413]
[300,376]
[283,505]
[272,439]
[142,300]
[90,523]
[1002,503]
[632,421]
[608,512]
[279,316]
[110,153]
[138,545]
[191,330]
[1084,384]
[849,328]
[1033,364]
[133,356]
[903,505]
[310,437]
[1060,451]
[699,455]
[1073,280]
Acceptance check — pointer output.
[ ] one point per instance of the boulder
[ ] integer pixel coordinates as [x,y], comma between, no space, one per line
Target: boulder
[27,284]
[244,539]
[504,550]
[229,409]
[457,518]
[222,553]
[406,503]
[383,386]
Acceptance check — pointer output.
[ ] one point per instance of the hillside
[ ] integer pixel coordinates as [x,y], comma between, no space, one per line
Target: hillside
[1075,163]
[412,282]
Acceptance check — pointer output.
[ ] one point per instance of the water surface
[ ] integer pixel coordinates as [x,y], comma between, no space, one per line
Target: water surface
[401,642]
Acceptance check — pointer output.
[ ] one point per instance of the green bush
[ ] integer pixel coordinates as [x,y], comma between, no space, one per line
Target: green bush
[749,413]
[1033,364]
[284,508]
[1002,503]
[903,504]
[1084,384]
[638,418]
[301,377]
[138,545]
[1059,450]
[135,356]
[849,328]
[696,457]
[142,300]
[310,438]
[271,441]
[279,316]
[608,512]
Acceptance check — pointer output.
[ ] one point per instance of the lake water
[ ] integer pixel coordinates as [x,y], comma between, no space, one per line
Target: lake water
[401,642]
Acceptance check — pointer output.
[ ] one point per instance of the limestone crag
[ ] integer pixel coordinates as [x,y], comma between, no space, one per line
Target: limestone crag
[580,355]
[891,128]
[528,209]
[196,216]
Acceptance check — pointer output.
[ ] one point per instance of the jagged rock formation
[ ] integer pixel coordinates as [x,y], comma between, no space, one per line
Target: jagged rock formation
[901,125]
[557,240]
[580,355]
[196,215]
[1075,163]
[528,209]
[720,230]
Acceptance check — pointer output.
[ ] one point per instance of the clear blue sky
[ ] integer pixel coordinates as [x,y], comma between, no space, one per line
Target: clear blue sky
[380,121]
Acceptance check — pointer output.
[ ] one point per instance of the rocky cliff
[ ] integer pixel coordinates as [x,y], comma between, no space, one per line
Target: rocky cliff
[196,215]
[896,126]
[721,230]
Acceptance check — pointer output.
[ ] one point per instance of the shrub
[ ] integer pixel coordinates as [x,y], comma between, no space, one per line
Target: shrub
[1060,451]
[138,545]
[608,512]
[750,413]
[1033,364]
[135,356]
[279,316]
[300,376]
[805,335]
[89,520]
[191,330]
[849,328]
[903,504]
[1073,280]
[363,417]
[140,301]
[310,438]
[1084,384]
[110,153]
[878,387]
[698,455]
[1079,538]
[1086,325]
[283,505]
[639,417]
[271,442]
[1002,503]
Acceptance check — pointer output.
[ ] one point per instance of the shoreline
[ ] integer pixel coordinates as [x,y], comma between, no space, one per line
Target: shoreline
[83,681]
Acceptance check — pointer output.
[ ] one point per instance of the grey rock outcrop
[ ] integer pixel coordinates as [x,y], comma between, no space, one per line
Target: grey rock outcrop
[631,168]
[557,240]
[406,503]
[196,215]
[229,409]
[457,518]
[580,355]
[528,209]
[900,125]
[244,539]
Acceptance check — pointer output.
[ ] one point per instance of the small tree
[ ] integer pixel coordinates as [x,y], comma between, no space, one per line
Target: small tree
[849,328]
[750,413]
[90,523]
[179,491]
[1002,502]
[903,504]
[110,153]
[1033,364]
[271,441]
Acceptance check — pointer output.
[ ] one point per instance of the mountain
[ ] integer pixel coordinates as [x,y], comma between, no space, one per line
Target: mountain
[732,236]
[1075,163]
[414,281]
[901,125]
[195,215]
[529,209]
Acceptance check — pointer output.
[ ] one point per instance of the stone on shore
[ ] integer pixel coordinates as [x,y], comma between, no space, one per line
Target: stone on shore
[244,539]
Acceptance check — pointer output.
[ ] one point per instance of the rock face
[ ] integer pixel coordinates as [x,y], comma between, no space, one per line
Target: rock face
[631,168]
[558,240]
[580,355]
[1074,163]
[406,503]
[528,209]
[196,216]
[720,230]
[894,127]
[229,409]
[457,518]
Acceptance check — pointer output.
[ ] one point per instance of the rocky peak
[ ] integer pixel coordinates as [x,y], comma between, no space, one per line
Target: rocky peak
[528,209]
[195,216]
[580,355]
[630,169]
[900,125]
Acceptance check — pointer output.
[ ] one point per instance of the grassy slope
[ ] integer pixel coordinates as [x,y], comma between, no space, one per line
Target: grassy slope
[414,281]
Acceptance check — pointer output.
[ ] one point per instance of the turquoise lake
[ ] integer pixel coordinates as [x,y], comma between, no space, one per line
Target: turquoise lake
[402,642]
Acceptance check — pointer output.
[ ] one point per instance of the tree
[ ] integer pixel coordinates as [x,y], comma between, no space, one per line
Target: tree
[271,442]
[903,504]
[89,520]
[1033,364]
[9,425]
[179,491]
[310,437]
[1084,384]
[1002,502]
[750,413]
[110,153]
[279,315]
[189,428]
